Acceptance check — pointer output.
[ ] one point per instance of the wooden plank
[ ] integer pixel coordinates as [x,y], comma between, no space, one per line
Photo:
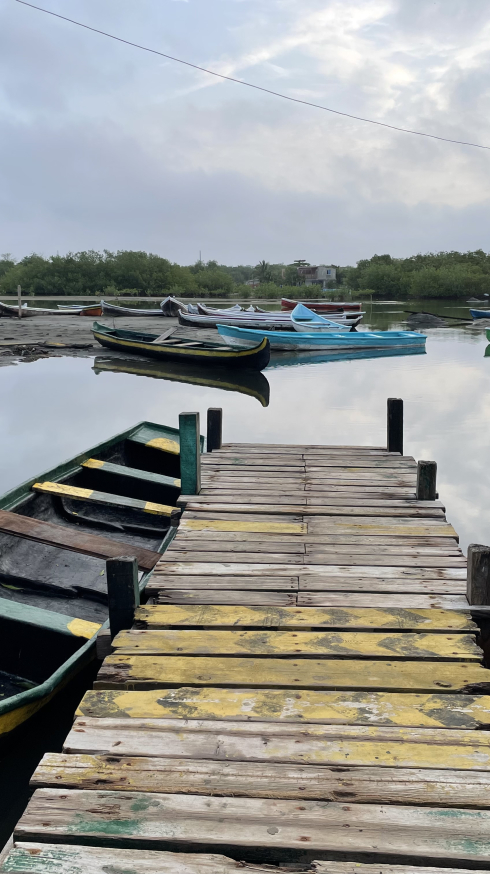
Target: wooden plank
[41,858]
[358,708]
[228,568]
[305,618]
[328,644]
[162,581]
[132,473]
[327,542]
[249,779]
[205,543]
[218,596]
[368,600]
[290,495]
[407,512]
[72,540]
[249,543]
[381,527]
[153,672]
[259,526]
[383,584]
[181,554]
[155,820]
[61,490]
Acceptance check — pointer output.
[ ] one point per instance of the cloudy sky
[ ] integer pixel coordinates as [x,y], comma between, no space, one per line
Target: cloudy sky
[106,146]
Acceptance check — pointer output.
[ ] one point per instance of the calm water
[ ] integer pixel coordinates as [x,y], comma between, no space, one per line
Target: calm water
[54,408]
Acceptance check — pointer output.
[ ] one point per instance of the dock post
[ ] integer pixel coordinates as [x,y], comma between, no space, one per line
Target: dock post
[426,480]
[214,429]
[395,425]
[478,584]
[123,592]
[190,453]
[19,300]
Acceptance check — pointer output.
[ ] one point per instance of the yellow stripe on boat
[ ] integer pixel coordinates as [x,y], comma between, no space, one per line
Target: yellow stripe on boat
[75,493]
[82,628]
[64,490]
[93,462]
[165,445]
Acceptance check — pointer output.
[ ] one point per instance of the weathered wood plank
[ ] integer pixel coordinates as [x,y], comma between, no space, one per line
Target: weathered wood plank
[383,584]
[162,581]
[227,568]
[358,708]
[304,618]
[370,600]
[153,672]
[250,779]
[36,858]
[203,542]
[378,526]
[328,644]
[156,819]
[219,596]
[259,526]
[247,543]
[287,495]
[210,505]
[181,554]
[329,542]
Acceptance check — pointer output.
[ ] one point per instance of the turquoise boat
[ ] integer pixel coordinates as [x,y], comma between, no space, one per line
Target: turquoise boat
[56,532]
[329,340]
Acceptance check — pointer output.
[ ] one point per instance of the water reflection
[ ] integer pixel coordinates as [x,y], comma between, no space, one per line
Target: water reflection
[291,359]
[247,382]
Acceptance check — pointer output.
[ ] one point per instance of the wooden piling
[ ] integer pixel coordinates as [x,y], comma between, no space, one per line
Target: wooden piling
[123,592]
[478,579]
[214,428]
[426,481]
[19,300]
[395,425]
[190,453]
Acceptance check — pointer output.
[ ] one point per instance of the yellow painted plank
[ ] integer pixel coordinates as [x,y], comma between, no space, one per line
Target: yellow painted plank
[105,498]
[165,445]
[140,672]
[259,527]
[82,628]
[94,463]
[306,617]
[451,647]
[360,708]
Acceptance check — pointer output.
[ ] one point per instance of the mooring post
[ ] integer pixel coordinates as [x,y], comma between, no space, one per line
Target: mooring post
[426,480]
[190,453]
[395,425]
[19,300]
[123,592]
[214,429]
[478,579]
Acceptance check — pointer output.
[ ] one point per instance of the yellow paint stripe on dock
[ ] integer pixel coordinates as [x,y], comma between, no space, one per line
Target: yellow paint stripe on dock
[258,527]
[165,445]
[358,708]
[82,628]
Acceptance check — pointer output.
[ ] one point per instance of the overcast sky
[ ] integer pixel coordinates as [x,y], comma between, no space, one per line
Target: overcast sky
[105,146]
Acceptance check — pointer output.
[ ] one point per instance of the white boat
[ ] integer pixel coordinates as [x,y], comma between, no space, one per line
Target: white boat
[112,309]
[170,306]
[330,340]
[13,310]
[306,321]
[268,321]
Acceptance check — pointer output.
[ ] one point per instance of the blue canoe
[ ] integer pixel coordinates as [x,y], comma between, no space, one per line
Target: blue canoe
[330,340]
[480,314]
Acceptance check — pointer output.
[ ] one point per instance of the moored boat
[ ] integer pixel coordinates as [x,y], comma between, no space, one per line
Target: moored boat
[268,321]
[56,532]
[112,309]
[306,321]
[26,312]
[322,305]
[334,340]
[94,309]
[165,346]
[480,314]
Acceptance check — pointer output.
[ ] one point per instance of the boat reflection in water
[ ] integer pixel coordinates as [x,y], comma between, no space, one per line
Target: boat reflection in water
[247,382]
[291,359]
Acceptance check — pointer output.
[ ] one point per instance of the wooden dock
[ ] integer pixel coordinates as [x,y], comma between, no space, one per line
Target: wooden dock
[305,689]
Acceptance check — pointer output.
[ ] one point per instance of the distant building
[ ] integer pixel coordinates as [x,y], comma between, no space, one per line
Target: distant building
[319,275]
[253,283]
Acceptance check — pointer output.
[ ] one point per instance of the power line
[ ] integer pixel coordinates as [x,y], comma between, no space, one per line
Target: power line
[250,85]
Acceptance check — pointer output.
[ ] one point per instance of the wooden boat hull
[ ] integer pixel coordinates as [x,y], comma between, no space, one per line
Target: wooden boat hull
[321,306]
[111,309]
[255,357]
[248,382]
[283,340]
[28,312]
[480,314]
[265,321]
[53,596]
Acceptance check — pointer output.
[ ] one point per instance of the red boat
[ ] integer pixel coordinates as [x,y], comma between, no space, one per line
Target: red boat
[321,306]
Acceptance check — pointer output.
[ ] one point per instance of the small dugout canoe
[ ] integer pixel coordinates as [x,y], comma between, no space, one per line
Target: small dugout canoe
[56,532]
[329,340]
[255,357]
[112,309]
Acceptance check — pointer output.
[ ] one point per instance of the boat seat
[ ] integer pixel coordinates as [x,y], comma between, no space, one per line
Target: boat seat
[165,444]
[164,336]
[157,479]
[64,537]
[61,490]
